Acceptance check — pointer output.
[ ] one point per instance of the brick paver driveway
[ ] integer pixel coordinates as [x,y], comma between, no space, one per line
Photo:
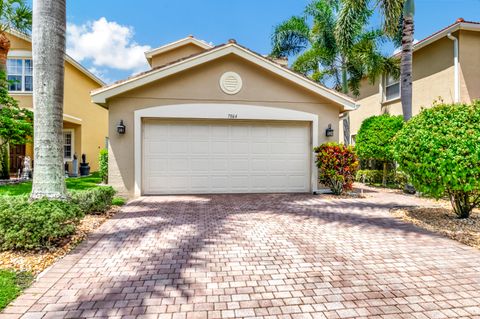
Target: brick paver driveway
[265,256]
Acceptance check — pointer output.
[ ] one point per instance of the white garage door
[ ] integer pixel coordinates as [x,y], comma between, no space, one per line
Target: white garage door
[203,157]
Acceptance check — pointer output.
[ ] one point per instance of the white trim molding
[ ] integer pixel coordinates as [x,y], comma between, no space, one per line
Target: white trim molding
[225,112]
[19,54]
[100,96]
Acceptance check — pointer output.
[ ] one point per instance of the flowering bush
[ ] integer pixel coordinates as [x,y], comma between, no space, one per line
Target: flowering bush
[337,166]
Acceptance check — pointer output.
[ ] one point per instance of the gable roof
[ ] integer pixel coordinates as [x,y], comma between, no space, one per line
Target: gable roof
[68,58]
[101,95]
[460,24]
[171,46]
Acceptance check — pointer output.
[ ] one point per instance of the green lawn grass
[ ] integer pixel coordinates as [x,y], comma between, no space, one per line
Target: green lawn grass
[12,284]
[80,183]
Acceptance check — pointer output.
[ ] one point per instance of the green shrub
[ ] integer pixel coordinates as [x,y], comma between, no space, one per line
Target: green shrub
[118,201]
[439,150]
[103,162]
[35,225]
[337,166]
[94,200]
[375,140]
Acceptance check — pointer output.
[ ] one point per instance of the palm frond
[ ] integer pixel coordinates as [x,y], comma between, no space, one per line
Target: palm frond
[290,37]
[392,11]
[352,18]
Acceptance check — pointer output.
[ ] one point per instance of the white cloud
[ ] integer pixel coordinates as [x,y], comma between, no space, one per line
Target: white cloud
[106,44]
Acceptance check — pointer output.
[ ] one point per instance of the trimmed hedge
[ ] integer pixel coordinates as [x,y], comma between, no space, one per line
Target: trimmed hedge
[35,225]
[93,201]
[26,225]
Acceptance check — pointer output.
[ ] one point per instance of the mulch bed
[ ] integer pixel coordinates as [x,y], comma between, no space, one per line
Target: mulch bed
[36,262]
[444,221]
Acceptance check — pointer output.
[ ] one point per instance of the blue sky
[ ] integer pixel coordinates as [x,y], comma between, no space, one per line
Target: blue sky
[106,27]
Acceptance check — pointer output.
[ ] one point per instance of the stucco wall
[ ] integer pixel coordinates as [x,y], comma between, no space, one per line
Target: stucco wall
[469,42]
[175,54]
[201,85]
[433,80]
[89,119]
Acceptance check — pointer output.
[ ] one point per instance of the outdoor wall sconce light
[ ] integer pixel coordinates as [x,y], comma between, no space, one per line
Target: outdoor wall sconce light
[329,131]
[121,128]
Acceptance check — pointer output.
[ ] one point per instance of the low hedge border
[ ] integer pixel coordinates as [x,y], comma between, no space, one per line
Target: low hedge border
[42,224]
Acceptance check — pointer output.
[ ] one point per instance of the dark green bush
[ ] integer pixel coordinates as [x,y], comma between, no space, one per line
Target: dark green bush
[94,200]
[103,162]
[35,225]
[439,150]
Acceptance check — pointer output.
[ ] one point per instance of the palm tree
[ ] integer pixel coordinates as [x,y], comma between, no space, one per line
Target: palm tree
[321,56]
[392,12]
[49,26]
[16,15]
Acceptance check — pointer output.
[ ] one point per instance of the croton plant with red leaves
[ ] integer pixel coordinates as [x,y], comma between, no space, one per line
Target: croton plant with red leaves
[337,165]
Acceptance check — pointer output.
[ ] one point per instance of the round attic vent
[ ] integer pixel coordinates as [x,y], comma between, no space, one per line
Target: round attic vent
[231,83]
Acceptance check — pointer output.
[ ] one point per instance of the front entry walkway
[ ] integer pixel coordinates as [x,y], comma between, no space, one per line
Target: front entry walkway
[264,256]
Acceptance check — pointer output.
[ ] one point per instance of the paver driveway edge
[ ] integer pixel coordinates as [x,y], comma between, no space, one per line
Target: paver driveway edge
[258,256]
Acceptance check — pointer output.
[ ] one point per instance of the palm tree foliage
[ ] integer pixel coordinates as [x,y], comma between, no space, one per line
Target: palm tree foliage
[15,14]
[398,24]
[319,53]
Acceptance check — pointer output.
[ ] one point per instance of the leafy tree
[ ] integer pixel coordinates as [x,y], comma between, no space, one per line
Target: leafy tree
[439,150]
[16,124]
[375,139]
[14,14]
[312,37]
[337,165]
[49,26]
[355,13]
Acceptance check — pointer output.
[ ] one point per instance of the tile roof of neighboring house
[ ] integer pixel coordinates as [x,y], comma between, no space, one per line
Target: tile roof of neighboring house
[459,24]
[68,58]
[342,96]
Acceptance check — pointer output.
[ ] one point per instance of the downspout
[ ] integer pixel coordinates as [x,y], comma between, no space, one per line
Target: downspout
[456,67]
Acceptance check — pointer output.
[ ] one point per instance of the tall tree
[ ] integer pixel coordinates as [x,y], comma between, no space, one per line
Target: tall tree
[322,57]
[49,26]
[392,12]
[16,15]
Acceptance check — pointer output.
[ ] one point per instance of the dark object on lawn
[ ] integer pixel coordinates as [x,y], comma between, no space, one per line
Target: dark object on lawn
[409,189]
[84,167]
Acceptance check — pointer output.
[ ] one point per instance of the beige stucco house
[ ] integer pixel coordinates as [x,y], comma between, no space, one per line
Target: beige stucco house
[85,123]
[446,67]
[217,119]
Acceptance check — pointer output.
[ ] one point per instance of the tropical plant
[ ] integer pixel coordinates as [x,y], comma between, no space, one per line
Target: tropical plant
[49,25]
[320,54]
[103,170]
[337,165]
[438,149]
[355,13]
[14,15]
[375,139]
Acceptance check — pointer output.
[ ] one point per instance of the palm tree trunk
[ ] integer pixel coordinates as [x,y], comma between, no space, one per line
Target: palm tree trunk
[407,60]
[49,24]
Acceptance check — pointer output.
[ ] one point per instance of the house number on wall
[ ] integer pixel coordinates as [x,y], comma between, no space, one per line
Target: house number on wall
[232,116]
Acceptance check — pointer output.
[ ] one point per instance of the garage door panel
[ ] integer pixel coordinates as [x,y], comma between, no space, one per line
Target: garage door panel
[182,157]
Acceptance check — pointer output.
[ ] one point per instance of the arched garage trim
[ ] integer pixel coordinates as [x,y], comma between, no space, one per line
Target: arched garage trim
[219,111]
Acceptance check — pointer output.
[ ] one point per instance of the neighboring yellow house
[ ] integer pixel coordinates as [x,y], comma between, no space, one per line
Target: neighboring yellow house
[85,123]
[446,67]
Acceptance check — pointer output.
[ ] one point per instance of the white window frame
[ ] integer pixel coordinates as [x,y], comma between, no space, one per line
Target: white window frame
[23,75]
[72,144]
[385,86]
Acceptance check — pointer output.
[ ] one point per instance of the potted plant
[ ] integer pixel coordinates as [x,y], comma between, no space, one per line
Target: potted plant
[84,167]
